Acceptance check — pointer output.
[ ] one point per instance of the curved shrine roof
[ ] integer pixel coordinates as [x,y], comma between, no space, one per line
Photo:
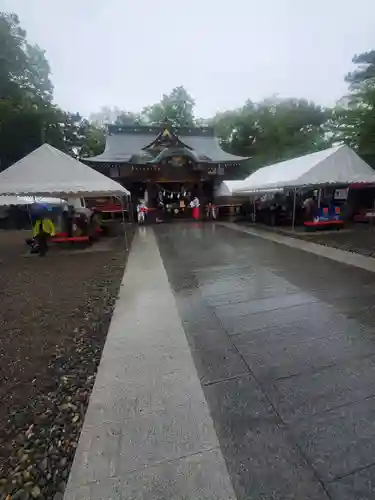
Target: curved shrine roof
[141,144]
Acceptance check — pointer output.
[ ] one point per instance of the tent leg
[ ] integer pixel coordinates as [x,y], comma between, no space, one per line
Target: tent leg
[30,218]
[124,225]
[294,209]
[372,218]
[254,210]
[130,209]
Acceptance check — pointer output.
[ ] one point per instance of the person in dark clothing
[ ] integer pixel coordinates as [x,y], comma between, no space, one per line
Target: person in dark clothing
[70,221]
[43,229]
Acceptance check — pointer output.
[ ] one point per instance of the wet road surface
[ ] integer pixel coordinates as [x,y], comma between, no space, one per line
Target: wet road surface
[284,345]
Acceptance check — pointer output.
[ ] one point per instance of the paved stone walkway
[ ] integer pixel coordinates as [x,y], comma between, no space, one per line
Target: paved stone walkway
[284,343]
[148,434]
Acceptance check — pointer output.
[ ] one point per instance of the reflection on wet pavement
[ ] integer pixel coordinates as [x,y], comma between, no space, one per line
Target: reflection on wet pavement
[284,344]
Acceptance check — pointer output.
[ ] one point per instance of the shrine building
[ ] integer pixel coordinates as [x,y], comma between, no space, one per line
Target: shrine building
[164,166]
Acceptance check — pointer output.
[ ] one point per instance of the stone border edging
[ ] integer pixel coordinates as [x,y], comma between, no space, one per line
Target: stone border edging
[342,256]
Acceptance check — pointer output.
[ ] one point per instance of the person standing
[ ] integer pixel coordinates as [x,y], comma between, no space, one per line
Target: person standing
[65,218]
[195,205]
[310,208]
[210,211]
[43,230]
[141,212]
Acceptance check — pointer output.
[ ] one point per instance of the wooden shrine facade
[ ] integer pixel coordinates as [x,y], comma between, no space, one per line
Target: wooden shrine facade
[162,154]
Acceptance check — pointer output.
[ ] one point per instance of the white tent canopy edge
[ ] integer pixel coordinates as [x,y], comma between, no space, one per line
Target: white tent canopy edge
[28,200]
[339,165]
[226,188]
[48,171]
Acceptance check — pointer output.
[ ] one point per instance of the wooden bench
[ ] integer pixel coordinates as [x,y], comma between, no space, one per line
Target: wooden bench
[320,224]
[70,239]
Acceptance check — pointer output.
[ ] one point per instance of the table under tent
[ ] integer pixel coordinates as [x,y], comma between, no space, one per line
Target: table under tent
[307,179]
[49,172]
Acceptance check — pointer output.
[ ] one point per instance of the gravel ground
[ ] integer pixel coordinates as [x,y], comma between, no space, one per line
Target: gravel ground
[54,317]
[360,239]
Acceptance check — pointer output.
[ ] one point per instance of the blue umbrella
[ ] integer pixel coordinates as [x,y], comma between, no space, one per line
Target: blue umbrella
[38,209]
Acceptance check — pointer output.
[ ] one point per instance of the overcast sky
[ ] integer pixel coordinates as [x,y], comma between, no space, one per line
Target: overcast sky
[127,53]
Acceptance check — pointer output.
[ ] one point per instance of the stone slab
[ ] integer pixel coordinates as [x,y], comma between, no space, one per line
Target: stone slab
[264,463]
[166,435]
[315,312]
[147,407]
[313,393]
[202,476]
[357,486]
[265,304]
[238,405]
[340,441]
[286,358]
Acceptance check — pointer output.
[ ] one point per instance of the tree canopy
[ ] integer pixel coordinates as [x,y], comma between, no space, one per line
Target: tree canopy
[365,71]
[268,131]
[273,130]
[353,120]
[177,107]
[27,116]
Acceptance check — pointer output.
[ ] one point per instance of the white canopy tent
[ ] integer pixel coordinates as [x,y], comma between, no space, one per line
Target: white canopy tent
[225,189]
[48,171]
[334,166]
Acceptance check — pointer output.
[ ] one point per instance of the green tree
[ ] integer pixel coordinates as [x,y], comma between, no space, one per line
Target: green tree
[36,78]
[126,118]
[273,130]
[24,69]
[93,141]
[75,135]
[19,131]
[12,56]
[27,117]
[25,93]
[177,107]
[365,72]
[354,117]
[354,124]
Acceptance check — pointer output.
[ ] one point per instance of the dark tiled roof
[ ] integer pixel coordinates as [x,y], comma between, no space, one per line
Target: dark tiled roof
[127,143]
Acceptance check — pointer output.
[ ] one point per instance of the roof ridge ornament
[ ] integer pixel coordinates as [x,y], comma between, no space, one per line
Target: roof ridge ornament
[166,133]
[167,138]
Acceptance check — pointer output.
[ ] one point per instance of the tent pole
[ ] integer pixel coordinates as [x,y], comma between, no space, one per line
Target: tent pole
[254,210]
[30,218]
[130,209]
[294,209]
[372,218]
[123,223]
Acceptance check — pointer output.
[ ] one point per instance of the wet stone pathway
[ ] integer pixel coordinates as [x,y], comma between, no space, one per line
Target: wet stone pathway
[284,344]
